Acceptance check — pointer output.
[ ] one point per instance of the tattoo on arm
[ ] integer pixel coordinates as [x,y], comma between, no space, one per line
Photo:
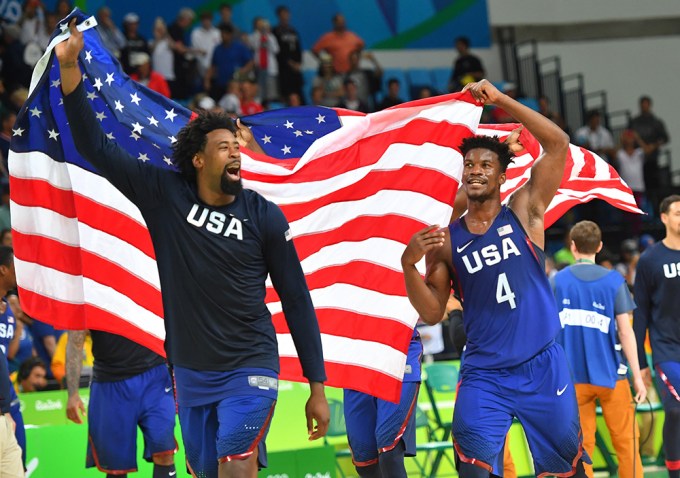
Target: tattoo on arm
[74,359]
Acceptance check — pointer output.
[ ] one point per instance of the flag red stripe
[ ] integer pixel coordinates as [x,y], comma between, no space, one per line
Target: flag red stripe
[39,193]
[75,261]
[407,178]
[349,376]
[368,151]
[66,316]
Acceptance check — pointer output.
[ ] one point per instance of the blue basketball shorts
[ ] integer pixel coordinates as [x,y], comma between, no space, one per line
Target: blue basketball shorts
[375,426]
[115,411]
[231,428]
[668,374]
[540,393]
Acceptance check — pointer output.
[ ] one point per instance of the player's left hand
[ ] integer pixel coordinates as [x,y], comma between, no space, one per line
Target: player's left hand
[513,141]
[317,411]
[421,243]
[243,134]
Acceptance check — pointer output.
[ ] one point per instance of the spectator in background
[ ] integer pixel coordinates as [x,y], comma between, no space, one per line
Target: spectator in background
[231,101]
[467,67]
[249,103]
[585,294]
[652,131]
[144,75]
[293,99]
[596,137]
[630,159]
[290,55]
[5,215]
[316,95]
[112,38]
[656,292]
[499,115]
[16,73]
[367,80]
[265,48]
[351,100]
[45,342]
[58,364]
[62,9]
[134,42]
[185,61]
[424,92]
[226,14]
[204,38]
[7,119]
[230,58]
[392,97]
[630,254]
[329,81]
[32,23]
[6,237]
[646,241]
[31,376]
[21,347]
[338,43]
[545,109]
[162,56]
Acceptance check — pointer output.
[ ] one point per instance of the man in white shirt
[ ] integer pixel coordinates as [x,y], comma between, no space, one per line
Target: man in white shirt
[204,38]
[596,137]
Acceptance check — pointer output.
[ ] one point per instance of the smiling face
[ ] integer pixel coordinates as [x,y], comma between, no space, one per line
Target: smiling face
[218,164]
[482,176]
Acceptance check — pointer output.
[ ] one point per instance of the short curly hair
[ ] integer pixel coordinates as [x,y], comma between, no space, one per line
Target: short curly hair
[192,138]
[501,148]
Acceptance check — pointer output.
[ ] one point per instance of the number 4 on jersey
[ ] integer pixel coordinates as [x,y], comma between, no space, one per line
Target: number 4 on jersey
[503,291]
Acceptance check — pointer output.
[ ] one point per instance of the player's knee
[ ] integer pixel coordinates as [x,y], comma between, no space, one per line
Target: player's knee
[392,462]
[163,459]
[673,415]
[468,470]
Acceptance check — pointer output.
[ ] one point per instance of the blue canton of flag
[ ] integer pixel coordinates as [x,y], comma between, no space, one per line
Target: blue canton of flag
[142,121]
[288,132]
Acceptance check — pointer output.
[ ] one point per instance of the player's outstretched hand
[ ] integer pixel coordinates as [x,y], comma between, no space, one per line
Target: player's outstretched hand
[68,51]
[317,411]
[423,241]
[75,409]
[483,91]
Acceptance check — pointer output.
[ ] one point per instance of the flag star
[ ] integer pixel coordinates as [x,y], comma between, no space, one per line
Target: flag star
[61,101]
[172,139]
[35,112]
[100,115]
[119,106]
[320,118]
[110,136]
[18,131]
[91,95]
[167,160]
[267,139]
[134,98]
[53,134]
[137,128]
[98,84]
[298,133]
[285,149]
[109,79]
[143,157]
[135,135]
[56,83]
[85,76]
[63,27]
[156,146]
[309,132]
[88,56]
[288,124]
[152,121]
[170,115]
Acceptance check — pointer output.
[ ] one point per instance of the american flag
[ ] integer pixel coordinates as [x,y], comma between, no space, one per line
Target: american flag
[353,187]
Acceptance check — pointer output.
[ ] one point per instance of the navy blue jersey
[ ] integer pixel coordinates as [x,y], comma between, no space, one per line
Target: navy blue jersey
[212,261]
[8,325]
[117,358]
[656,291]
[510,312]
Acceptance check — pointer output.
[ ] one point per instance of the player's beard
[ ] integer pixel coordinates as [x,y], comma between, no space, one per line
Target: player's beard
[228,186]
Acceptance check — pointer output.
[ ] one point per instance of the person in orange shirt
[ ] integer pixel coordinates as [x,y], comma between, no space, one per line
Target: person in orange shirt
[339,43]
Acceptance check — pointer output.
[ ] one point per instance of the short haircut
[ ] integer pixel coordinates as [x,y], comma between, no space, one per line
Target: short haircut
[6,255]
[464,40]
[226,28]
[392,81]
[645,98]
[587,237]
[592,114]
[280,9]
[666,203]
[501,148]
[193,137]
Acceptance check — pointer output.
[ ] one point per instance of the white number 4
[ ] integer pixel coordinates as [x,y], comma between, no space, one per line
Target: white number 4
[503,291]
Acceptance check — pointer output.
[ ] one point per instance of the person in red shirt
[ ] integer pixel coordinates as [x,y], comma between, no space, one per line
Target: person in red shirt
[146,76]
[249,102]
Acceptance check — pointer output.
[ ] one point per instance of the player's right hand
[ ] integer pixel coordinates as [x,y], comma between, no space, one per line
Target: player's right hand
[68,51]
[421,243]
[75,409]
